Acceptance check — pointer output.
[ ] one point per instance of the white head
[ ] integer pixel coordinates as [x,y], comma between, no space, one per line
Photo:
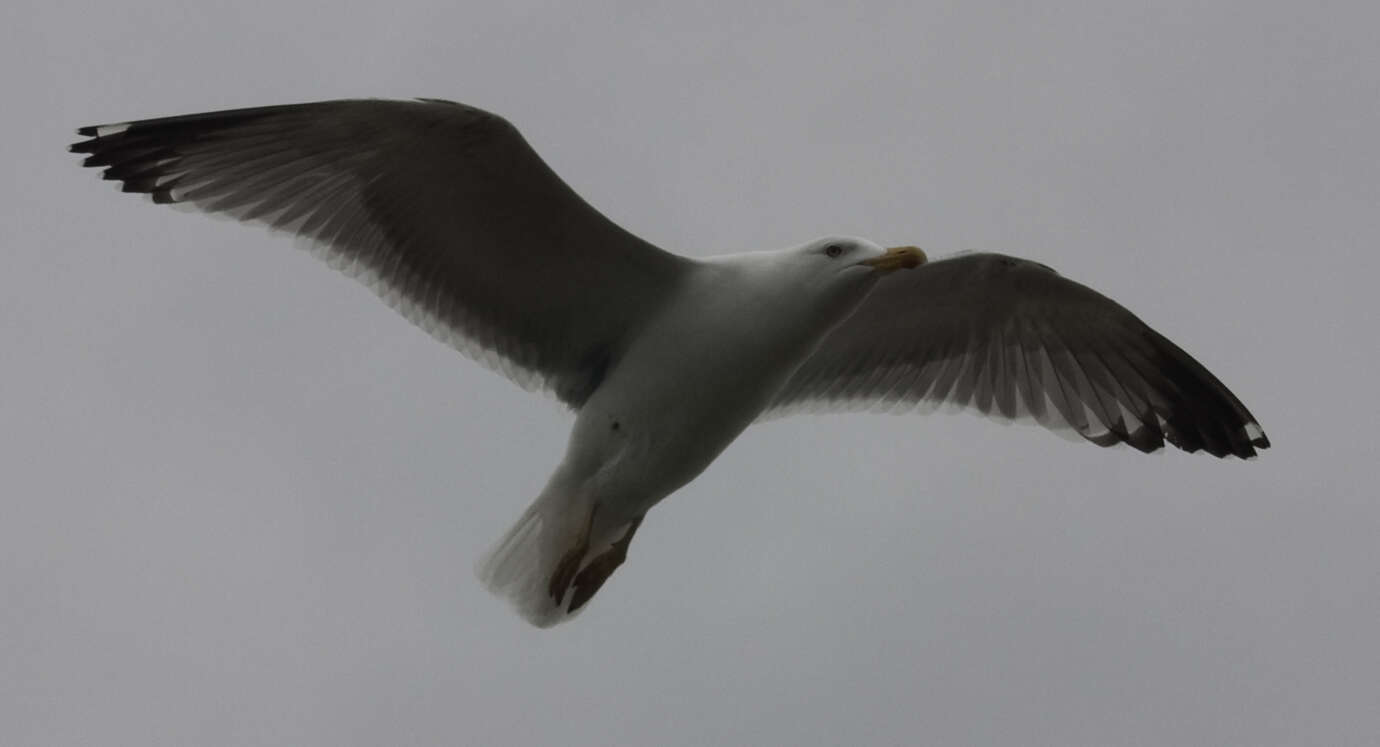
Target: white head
[857,257]
[827,272]
[794,296]
[847,265]
[829,275]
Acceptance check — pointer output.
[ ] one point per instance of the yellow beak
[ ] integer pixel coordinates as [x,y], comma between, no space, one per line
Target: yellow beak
[896,258]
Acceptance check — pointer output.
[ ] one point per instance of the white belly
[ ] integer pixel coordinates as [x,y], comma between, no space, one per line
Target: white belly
[683,393]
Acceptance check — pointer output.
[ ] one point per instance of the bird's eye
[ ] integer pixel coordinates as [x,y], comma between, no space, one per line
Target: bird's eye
[833,251]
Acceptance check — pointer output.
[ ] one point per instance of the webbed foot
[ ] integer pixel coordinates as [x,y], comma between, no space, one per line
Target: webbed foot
[588,581]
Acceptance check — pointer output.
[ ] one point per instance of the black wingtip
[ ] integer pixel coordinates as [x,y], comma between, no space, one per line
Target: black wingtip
[1250,448]
[88,131]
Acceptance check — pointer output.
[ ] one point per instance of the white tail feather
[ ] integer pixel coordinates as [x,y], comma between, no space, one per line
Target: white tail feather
[521,563]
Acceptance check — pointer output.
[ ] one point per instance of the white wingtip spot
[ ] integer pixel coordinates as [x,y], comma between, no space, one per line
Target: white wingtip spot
[111,129]
[1254,432]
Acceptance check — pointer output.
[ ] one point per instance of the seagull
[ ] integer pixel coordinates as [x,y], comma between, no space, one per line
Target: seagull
[446,213]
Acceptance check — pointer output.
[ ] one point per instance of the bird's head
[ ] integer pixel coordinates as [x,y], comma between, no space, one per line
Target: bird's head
[853,261]
[841,269]
[825,278]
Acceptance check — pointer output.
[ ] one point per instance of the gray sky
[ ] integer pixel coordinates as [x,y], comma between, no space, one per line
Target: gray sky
[243,498]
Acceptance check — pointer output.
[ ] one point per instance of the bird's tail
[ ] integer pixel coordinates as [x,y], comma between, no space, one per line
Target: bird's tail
[521,564]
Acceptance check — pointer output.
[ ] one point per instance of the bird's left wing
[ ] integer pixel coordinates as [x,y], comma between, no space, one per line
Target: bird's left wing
[1012,339]
[442,209]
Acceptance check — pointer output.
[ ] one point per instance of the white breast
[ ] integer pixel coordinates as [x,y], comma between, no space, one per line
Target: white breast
[698,376]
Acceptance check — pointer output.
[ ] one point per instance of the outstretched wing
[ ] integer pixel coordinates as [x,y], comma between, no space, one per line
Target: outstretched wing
[1012,339]
[442,209]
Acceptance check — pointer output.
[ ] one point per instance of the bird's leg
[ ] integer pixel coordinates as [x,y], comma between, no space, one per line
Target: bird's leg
[569,563]
[597,572]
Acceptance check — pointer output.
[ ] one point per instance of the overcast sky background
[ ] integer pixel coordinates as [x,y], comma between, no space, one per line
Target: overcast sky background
[242,498]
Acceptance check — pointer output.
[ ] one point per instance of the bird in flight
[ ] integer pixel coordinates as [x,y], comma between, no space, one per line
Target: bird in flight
[448,214]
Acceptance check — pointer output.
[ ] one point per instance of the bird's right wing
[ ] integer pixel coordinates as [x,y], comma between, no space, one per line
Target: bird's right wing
[442,209]
[1012,339]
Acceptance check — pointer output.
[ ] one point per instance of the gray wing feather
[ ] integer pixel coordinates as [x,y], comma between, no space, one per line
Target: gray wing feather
[442,209]
[1013,340]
